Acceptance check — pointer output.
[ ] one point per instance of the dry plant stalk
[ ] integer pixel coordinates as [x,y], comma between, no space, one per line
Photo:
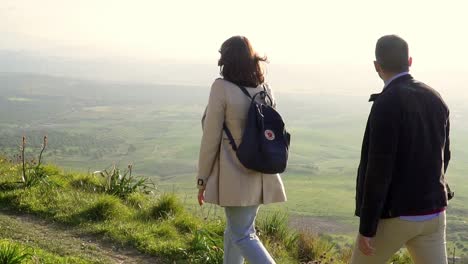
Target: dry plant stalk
[44,145]
[23,147]
[24,176]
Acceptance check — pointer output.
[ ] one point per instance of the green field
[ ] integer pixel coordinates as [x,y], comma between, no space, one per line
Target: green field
[157,128]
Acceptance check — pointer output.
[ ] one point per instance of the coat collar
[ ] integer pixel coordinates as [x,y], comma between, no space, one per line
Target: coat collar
[400,79]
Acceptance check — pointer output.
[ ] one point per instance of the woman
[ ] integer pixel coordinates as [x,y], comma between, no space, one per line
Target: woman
[222,179]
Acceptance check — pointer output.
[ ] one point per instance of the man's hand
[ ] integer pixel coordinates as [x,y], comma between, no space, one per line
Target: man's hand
[201,197]
[364,244]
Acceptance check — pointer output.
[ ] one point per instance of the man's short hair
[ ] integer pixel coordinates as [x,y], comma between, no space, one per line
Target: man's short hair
[391,52]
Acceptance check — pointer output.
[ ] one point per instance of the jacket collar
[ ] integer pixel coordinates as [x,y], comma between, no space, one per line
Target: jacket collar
[394,82]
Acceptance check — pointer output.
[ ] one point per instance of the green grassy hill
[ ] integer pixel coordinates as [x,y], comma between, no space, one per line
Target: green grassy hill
[157,225]
[93,125]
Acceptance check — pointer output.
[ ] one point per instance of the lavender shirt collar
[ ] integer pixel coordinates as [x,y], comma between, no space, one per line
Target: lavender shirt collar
[395,77]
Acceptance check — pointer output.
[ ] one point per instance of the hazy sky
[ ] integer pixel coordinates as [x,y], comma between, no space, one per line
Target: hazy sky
[337,36]
[294,32]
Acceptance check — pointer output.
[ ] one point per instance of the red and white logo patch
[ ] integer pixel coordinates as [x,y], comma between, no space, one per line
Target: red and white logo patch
[270,135]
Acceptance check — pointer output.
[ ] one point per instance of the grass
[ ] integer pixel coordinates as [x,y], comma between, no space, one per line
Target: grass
[275,226]
[105,208]
[206,248]
[11,253]
[310,248]
[158,225]
[167,206]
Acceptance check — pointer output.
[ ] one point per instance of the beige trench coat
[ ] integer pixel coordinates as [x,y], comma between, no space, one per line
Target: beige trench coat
[226,181]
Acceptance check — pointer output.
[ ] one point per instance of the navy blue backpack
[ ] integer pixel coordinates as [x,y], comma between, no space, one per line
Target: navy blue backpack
[265,141]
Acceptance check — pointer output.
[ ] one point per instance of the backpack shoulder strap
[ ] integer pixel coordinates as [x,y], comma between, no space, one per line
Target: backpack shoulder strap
[244,90]
[230,137]
[267,95]
[226,129]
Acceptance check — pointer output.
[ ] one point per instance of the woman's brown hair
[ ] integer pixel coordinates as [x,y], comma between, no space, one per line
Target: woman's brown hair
[239,63]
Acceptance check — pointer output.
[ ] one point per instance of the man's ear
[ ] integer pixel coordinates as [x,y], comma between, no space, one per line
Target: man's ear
[410,61]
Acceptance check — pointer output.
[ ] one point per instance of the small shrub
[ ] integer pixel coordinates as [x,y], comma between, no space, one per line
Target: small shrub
[402,257]
[345,254]
[166,206]
[275,226]
[12,254]
[186,224]
[205,247]
[33,173]
[216,226]
[87,183]
[137,200]
[105,208]
[122,184]
[314,248]
[165,231]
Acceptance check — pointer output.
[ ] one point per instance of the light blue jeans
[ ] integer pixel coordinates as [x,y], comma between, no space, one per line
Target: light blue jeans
[240,239]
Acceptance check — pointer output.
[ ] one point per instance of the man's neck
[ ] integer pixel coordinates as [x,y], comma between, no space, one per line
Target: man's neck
[391,78]
[388,76]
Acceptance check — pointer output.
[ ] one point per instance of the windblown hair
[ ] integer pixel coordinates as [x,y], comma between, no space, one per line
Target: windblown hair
[391,52]
[240,64]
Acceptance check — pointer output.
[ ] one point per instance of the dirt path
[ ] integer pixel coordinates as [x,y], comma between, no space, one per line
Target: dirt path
[66,241]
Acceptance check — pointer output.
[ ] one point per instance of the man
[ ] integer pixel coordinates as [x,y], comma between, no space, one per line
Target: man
[401,194]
